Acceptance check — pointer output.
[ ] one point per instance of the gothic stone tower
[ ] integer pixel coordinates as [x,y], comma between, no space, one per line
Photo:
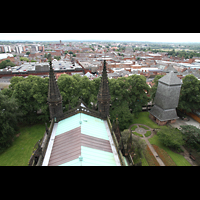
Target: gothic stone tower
[54,98]
[103,96]
[166,99]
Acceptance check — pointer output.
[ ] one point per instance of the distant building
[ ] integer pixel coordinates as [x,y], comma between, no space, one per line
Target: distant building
[5,48]
[34,48]
[41,48]
[19,49]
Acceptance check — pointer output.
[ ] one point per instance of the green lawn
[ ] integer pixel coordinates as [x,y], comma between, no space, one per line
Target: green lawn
[143,118]
[148,133]
[144,127]
[133,127]
[20,151]
[177,158]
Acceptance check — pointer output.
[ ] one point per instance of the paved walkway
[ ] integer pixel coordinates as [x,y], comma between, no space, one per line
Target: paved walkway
[143,131]
[180,122]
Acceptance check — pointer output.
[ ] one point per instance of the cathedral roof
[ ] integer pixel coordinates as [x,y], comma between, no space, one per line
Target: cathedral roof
[81,135]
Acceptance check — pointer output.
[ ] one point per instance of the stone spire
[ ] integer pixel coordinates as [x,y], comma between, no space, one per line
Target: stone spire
[54,98]
[103,96]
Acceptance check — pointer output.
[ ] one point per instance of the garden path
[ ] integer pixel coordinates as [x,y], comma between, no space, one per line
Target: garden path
[143,131]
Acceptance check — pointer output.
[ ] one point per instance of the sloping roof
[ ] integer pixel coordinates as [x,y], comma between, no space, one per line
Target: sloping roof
[89,139]
[169,69]
[170,79]
[163,115]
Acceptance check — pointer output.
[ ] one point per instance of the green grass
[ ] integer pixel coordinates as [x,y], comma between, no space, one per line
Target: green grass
[144,127]
[143,118]
[138,134]
[133,127]
[20,151]
[177,158]
[148,133]
[144,162]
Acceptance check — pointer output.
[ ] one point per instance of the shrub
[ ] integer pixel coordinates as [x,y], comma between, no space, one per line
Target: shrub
[171,137]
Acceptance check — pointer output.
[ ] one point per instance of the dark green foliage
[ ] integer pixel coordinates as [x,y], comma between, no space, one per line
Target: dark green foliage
[6,63]
[191,135]
[9,114]
[171,137]
[190,94]
[134,145]
[123,114]
[31,96]
[74,87]
[127,95]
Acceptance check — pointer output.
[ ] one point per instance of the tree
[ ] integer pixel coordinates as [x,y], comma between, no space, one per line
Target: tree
[24,59]
[69,89]
[137,93]
[154,87]
[128,95]
[133,145]
[57,57]
[6,63]
[190,94]
[171,137]
[191,135]
[48,56]
[31,96]
[11,64]
[9,114]
[123,114]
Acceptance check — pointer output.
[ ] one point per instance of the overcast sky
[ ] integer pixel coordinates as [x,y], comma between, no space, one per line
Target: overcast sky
[148,37]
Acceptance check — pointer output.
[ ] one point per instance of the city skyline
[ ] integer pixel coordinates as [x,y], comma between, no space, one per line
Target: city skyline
[129,37]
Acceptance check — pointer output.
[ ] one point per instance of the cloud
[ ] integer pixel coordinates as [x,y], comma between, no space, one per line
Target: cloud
[150,37]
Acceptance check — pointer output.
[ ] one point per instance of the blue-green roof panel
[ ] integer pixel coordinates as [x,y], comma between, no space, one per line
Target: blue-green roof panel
[68,124]
[93,157]
[96,127]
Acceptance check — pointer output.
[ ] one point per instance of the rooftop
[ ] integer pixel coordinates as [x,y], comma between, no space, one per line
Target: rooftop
[90,139]
[170,79]
[5,55]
